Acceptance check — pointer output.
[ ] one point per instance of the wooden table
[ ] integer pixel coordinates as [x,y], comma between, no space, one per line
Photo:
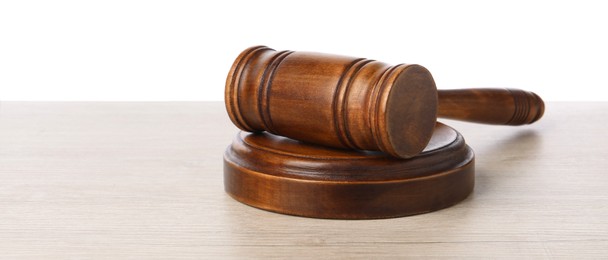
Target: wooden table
[144,180]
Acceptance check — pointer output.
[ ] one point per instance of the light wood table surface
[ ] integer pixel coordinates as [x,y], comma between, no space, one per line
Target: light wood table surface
[144,181]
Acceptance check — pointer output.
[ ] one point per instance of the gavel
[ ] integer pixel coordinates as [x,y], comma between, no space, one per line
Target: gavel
[358,103]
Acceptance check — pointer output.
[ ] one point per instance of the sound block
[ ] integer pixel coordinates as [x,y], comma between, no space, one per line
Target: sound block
[287,176]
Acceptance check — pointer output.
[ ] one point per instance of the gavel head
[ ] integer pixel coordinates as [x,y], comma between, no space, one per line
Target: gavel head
[333,100]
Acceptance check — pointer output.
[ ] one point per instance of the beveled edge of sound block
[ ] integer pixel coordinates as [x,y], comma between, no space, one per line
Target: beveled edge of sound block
[290,177]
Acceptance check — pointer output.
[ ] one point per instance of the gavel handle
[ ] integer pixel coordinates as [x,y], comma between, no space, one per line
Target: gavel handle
[491,106]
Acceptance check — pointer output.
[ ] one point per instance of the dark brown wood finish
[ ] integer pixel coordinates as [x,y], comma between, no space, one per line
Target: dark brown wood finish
[287,176]
[333,100]
[491,106]
[357,103]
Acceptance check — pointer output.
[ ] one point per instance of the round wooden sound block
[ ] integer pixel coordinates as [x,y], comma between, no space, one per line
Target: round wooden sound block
[291,177]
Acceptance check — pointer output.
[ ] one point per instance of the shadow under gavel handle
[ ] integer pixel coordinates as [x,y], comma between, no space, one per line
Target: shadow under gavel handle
[491,106]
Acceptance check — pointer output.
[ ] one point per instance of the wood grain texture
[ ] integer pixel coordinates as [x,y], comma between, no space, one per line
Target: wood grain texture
[491,106]
[296,178]
[333,100]
[357,103]
[144,180]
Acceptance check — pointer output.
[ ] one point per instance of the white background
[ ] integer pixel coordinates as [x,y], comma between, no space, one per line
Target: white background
[182,50]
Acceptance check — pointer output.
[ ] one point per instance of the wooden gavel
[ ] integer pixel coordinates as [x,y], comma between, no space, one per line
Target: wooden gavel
[358,103]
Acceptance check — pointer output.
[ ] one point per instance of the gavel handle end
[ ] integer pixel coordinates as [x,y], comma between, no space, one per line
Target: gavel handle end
[527,109]
[491,106]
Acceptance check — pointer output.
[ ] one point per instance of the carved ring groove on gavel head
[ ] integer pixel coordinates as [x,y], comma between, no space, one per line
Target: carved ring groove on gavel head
[333,100]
